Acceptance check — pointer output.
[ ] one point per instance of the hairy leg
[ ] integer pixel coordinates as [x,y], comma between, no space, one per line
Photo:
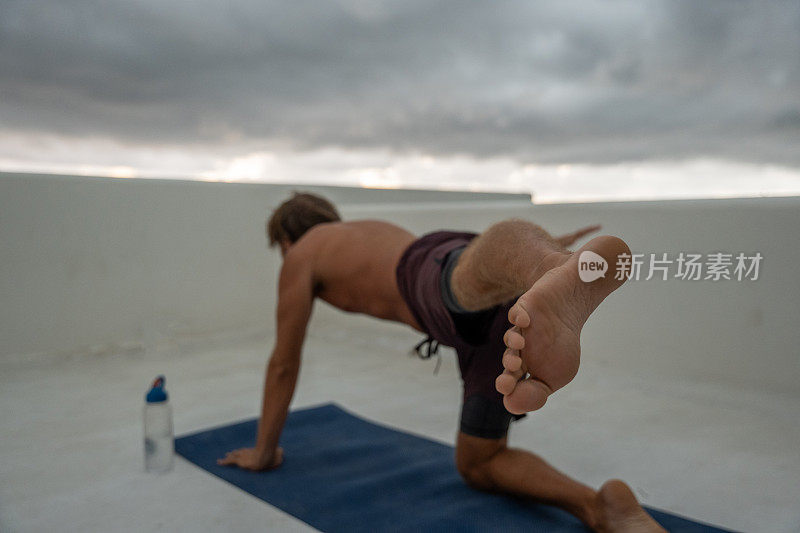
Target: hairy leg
[502,263]
[488,464]
[514,258]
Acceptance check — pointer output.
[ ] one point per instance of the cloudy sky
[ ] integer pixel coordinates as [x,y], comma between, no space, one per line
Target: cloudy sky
[572,99]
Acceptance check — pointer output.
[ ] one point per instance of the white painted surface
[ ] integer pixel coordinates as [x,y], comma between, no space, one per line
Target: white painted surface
[689,391]
[71,456]
[109,263]
[741,332]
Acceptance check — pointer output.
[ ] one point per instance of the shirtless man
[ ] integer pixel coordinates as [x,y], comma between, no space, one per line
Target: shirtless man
[460,289]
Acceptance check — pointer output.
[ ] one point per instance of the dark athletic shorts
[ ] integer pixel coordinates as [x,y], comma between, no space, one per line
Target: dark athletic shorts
[422,274]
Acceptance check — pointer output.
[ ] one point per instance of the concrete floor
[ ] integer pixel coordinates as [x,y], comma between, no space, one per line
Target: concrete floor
[71,447]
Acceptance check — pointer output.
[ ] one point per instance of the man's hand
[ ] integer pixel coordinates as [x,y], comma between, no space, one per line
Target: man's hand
[569,239]
[252,459]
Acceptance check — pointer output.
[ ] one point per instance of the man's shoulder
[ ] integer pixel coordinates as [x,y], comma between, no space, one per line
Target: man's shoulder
[312,244]
[319,236]
[328,241]
[327,232]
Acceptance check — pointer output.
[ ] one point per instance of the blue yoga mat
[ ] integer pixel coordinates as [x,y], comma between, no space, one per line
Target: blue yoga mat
[343,473]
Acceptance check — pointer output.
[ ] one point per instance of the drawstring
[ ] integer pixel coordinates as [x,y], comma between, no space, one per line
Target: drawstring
[432,349]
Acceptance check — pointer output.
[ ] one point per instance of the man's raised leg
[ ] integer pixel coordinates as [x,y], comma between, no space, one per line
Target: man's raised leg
[514,258]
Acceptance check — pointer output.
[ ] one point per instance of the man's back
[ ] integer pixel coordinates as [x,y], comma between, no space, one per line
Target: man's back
[354,266]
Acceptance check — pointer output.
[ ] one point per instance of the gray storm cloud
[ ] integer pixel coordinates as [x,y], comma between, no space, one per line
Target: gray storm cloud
[585,81]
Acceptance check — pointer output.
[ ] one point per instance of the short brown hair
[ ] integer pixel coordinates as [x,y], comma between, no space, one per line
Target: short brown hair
[297,215]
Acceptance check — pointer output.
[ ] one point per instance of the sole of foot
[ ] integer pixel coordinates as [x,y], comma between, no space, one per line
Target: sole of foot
[543,345]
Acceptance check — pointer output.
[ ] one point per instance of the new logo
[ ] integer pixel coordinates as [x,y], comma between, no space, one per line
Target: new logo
[591,266]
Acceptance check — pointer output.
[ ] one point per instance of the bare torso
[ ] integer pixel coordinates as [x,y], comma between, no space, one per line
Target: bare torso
[354,267]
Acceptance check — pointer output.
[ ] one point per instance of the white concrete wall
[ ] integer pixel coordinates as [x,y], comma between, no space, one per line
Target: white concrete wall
[87,262]
[745,333]
[94,263]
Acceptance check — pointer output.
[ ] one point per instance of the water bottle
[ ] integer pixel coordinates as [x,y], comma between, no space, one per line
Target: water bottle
[159,445]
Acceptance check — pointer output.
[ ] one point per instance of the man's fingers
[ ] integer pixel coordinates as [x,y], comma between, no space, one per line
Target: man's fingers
[229,459]
[278,459]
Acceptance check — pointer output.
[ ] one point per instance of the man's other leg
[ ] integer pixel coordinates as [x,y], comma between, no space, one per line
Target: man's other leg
[490,465]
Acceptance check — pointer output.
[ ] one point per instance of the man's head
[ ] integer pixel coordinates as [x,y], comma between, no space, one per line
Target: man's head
[296,216]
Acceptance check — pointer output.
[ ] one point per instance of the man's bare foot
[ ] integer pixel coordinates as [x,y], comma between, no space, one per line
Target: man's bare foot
[619,512]
[547,321]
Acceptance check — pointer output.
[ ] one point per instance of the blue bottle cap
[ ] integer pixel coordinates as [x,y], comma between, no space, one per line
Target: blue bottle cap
[157,394]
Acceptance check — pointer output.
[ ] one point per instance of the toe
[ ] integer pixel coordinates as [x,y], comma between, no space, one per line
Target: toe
[507,381]
[528,395]
[519,315]
[511,360]
[513,339]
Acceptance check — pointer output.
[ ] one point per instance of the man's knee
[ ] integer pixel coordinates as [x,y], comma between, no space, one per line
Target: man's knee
[473,460]
[477,476]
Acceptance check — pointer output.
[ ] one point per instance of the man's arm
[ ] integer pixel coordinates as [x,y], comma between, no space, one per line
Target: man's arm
[295,299]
